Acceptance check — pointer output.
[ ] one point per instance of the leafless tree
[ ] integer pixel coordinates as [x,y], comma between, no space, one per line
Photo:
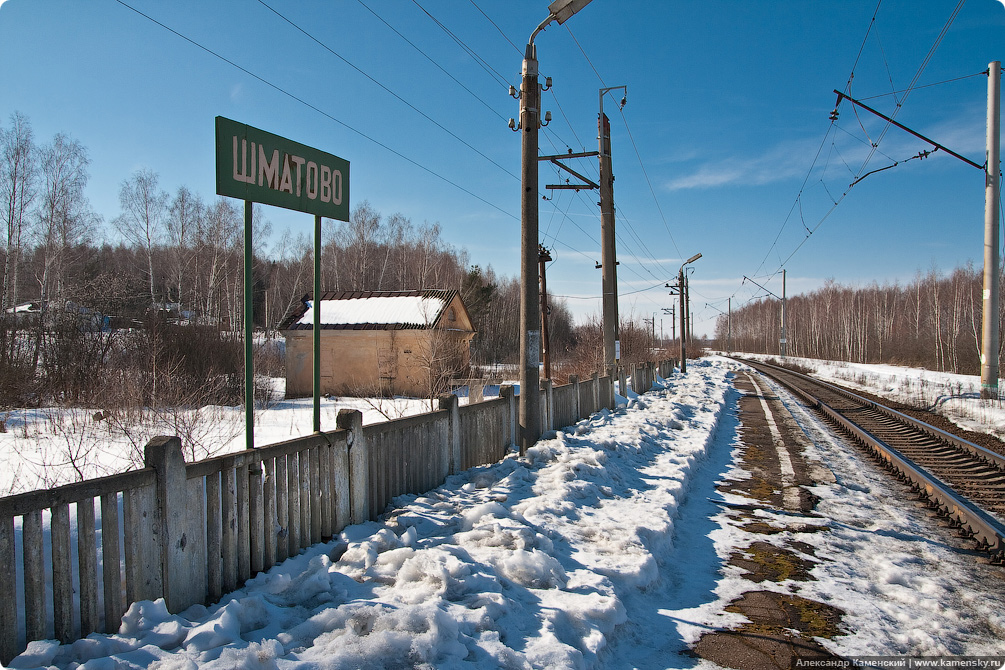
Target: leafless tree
[18,173]
[142,222]
[185,216]
[65,218]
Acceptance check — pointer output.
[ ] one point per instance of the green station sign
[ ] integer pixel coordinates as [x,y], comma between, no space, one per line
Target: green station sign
[255,165]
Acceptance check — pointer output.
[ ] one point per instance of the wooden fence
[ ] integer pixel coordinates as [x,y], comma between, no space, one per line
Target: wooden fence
[192,532]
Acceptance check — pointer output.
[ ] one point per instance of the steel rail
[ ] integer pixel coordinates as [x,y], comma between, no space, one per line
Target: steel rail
[986,530]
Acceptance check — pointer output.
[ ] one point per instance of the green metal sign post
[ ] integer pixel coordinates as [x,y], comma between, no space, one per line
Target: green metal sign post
[257,166]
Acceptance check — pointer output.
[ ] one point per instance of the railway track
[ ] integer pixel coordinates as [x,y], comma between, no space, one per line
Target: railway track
[966,482]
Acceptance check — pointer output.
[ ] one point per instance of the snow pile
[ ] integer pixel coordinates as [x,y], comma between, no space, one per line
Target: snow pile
[524,563]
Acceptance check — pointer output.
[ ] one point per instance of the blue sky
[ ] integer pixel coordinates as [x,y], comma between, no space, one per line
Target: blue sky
[725,146]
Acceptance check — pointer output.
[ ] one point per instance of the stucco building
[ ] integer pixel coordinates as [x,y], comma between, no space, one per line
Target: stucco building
[408,343]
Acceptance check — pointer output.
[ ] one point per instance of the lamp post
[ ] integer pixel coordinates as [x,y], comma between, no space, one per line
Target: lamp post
[683,311]
[530,316]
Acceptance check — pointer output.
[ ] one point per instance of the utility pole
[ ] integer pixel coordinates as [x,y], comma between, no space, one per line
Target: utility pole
[673,319]
[783,340]
[989,323]
[683,321]
[729,325]
[607,239]
[530,316]
[544,256]
[682,290]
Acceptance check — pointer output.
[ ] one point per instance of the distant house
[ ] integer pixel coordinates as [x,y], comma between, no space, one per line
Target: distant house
[88,320]
[408,343]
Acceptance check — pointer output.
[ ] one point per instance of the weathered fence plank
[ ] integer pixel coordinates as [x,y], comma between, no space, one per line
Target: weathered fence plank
[87,562]
[243,525]
[8,591]
[269,528]
[62,577]
[111,558]
[34,576]
[214,536]
[256,518]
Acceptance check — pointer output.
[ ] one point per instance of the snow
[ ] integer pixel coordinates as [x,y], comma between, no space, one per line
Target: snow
[606,546]
[413,310]
[52,446]
[956,396]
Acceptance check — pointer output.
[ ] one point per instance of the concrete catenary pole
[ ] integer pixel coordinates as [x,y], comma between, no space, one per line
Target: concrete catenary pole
[729,325]
[529,406]
[608,260]
[989,326]
[530,315]
[683,321]
[783,341]
[544,256]
[682,289]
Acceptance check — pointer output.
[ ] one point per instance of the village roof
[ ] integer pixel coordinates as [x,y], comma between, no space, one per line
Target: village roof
[372,310]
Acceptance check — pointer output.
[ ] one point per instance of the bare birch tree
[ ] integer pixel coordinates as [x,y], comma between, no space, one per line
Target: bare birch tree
[18,173]
[184,219]
[142,221]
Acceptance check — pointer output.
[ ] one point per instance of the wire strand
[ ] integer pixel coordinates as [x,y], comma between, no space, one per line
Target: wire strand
[317,109]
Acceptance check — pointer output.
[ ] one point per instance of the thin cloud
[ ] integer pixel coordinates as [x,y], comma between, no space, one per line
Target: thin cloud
[788,160]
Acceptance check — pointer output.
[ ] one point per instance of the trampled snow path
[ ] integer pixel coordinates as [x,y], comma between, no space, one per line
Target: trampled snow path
[601,549]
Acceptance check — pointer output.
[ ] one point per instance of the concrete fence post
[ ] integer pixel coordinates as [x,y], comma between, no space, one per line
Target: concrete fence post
[548,415]
[623,381]
[506,391]
[574,381]
[359,464]
[183,566]
[453,446]
[595,392]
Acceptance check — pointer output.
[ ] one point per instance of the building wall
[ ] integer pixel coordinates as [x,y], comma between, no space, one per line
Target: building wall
[369,362]
[372,362]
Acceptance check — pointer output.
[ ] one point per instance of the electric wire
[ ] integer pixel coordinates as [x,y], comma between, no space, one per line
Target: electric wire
[385,88]
[317,109]
[631,136]
[432,60]
[874,145]
[484,64]
[505,37]
[916,88]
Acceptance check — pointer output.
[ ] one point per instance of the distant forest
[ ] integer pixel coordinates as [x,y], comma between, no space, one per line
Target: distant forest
[932,322]
[172,259]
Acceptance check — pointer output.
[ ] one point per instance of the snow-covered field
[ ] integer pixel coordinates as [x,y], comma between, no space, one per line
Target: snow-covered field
[605,547]
[48,447]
